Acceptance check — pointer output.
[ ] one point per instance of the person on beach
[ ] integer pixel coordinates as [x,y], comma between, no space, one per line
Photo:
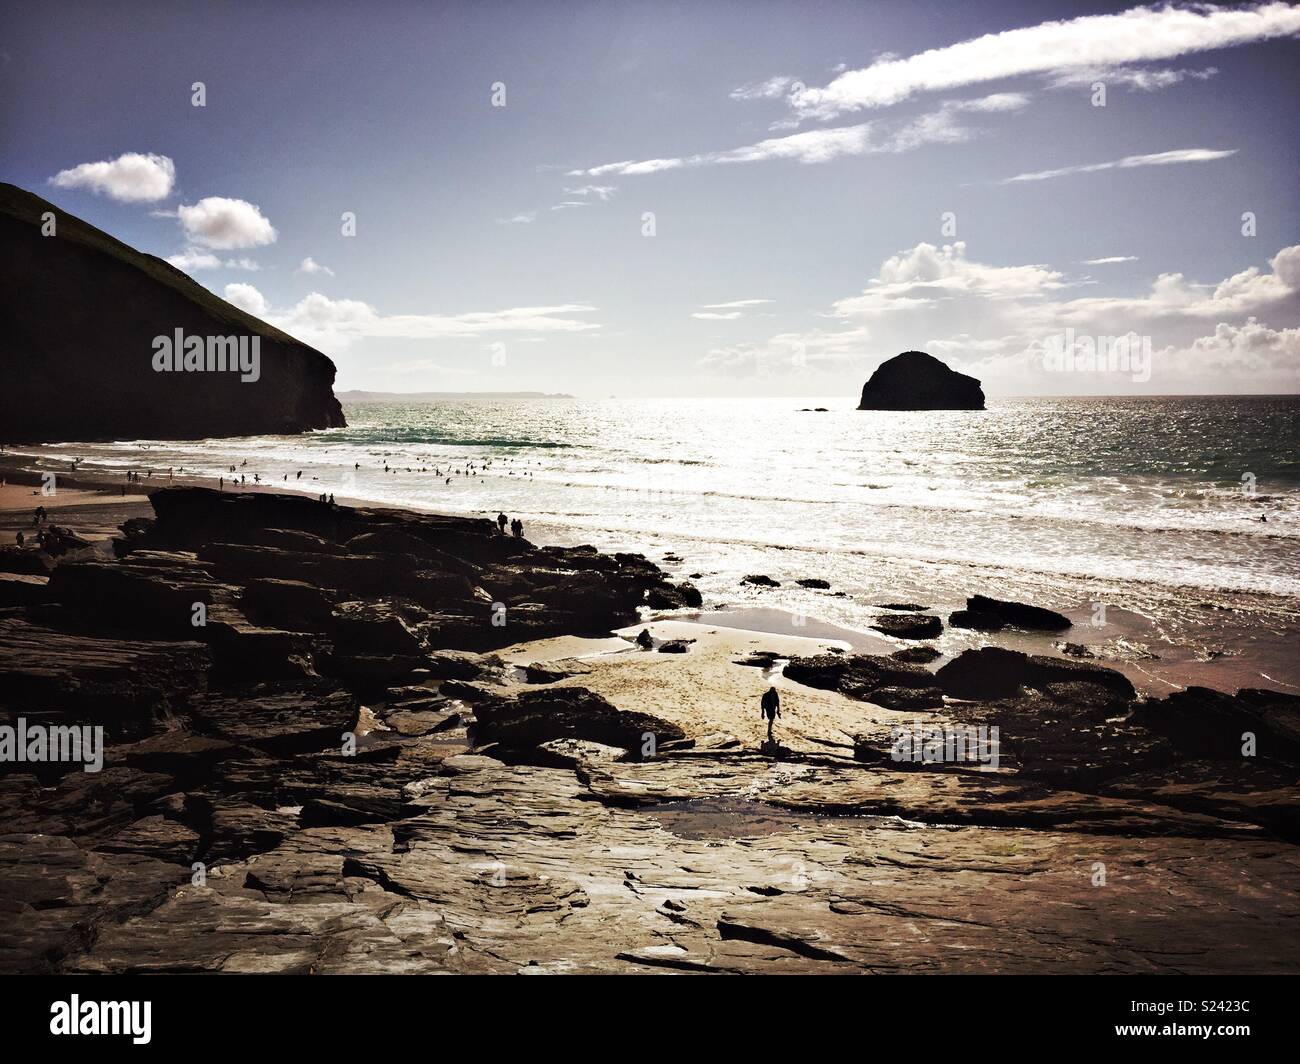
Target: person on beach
[501,522]
[771,710]
[517,527]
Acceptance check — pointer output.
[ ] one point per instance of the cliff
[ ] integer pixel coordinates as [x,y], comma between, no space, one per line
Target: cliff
[79,316]
[917,381]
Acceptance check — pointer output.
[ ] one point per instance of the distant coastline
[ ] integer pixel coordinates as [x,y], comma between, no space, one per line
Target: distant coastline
[440,397]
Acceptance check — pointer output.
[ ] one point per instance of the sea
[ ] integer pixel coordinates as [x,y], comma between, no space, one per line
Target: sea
[1167,528]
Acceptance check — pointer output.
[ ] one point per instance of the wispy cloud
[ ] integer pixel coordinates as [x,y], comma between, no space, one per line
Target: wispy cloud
[600,192]
[769,89]
[1164,158]
[333,324]
[942,126]
[1142,80]
[522,218]
[192,259]
[729,311]
[1091,42]
[1110,259]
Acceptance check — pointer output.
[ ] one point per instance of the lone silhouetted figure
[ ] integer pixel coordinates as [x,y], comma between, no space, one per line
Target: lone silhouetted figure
[771,710]
[501,522]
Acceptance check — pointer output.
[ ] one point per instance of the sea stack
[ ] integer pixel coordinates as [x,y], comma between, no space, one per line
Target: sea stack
[85,318]
[917,381]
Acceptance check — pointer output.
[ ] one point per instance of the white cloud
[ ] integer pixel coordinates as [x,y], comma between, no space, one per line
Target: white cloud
[1240,334]
[246,297]
[942,126]
[310,265]
[334,324]
[523,218]
[1110,259]
[925,276]
[218,222]
[729,311]
[1140,79]
[131,178]
[1164,158]
[193,258]
[1091,42]
[769,89]
[1250,348]
[600,192]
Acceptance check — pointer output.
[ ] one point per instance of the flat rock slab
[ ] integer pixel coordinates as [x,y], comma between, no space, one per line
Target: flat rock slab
[517,869]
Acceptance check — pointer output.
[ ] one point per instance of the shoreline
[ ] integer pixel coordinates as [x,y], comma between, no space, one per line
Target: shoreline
[1132,642]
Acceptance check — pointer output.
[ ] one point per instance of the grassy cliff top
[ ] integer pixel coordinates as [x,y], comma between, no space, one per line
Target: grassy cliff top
[28,207]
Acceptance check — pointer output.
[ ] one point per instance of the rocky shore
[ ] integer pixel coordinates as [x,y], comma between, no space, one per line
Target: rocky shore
[353,739]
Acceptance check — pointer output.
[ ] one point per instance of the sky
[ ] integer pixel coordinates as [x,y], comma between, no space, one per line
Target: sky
[661,199]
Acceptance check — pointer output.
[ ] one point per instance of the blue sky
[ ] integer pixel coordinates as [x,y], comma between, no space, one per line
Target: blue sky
[799,161]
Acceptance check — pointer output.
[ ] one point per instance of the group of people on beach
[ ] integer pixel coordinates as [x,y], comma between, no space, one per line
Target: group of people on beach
[39,516]
[516,526]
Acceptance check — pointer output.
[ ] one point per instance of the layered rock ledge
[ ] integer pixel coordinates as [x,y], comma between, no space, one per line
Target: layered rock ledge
[351,766]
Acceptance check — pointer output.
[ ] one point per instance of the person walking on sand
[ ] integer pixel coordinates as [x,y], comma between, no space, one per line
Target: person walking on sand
[501,522]
[517,527]
[771,710]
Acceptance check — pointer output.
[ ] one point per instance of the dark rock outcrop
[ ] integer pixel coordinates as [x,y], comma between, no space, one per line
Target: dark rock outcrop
[920,655]
[536,717]
[980,609]
[908,625]
[976,621]
[917,381]
[857,675]
[994,672]
[1211,724]
[80,311]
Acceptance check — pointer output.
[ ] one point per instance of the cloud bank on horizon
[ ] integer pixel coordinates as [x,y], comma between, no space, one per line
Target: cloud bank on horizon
[967,122]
